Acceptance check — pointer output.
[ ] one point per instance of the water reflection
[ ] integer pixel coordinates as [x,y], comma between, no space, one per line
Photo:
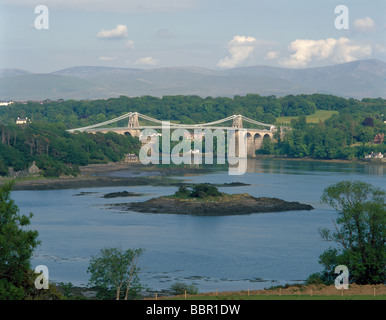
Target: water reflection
[374,169]
[310,167]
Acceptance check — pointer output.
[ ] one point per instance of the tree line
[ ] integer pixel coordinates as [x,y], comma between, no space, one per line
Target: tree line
[57,152]
[185,109]
[343,136]
[347,135]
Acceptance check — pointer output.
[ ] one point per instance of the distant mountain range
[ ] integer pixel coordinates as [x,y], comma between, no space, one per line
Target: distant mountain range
[358,79]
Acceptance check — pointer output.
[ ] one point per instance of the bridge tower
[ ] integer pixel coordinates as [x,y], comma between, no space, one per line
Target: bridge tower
[133,121]
[237,125]
[237,122]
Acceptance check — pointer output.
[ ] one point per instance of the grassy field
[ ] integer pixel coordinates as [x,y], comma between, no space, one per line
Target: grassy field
[319,115]
[295,292]
[283,297]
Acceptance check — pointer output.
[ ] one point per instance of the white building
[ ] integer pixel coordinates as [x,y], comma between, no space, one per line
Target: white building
[5,103]
[374,155]
[22,120]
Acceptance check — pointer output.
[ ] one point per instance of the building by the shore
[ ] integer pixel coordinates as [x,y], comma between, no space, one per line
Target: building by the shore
[376,155]
[130,157]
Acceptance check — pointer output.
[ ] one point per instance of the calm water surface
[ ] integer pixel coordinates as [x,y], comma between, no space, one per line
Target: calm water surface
[224,253]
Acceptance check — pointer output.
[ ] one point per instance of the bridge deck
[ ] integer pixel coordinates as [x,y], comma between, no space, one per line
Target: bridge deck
[165,128]
[133,124]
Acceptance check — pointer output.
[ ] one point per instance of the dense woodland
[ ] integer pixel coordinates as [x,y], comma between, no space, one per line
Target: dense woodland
[186,109]
[57,152]
[347,135]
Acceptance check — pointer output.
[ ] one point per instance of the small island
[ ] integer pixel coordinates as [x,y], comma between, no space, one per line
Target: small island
[206,200]
[121,194]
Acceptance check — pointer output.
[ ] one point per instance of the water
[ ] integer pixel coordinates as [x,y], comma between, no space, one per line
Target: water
[214,253]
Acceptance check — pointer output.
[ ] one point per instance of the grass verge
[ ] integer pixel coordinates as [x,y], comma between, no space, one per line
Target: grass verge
[319,115]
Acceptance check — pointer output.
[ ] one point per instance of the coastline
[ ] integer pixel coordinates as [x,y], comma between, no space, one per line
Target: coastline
[100,175]
[94,176]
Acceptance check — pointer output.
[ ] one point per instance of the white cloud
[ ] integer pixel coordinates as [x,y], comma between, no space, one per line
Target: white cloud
[119,32]
[240,48]
[272,55]
[148,61]
[363,25]
[333,50]
[120,6]
[378,48]
[347,51]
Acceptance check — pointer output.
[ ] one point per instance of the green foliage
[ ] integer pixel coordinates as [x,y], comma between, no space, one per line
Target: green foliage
[297,105]
[185,109]
[343,136]
[315,278]
[66,289]
[32,293]
[347,135]
[57,152]
[360,232]
[202,190]
[114,272]
[3,168]
[17,244]
[179,288]
[182,192]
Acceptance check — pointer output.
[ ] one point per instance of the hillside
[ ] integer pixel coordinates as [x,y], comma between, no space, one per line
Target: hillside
[358,79]
[31,86]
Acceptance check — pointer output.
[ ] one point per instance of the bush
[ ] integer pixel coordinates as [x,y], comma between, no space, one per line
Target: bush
[179,288]
[315,278]
[204,190]
[182,192]
[3,168]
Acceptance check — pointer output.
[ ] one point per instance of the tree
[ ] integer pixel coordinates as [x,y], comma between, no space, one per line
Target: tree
[379,138]
[368,122]
[115,270]
[16,246]
[179,288]
[182,192]
[360,231]
[3,168]
[204,190]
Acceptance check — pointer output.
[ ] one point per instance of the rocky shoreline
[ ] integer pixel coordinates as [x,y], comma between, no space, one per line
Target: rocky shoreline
[238,204]
[95,176]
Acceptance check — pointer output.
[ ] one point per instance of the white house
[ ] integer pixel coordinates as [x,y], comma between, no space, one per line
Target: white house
[22,120]
[374,155]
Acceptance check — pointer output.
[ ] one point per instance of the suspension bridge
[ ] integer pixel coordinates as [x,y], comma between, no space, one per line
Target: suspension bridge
[254,136]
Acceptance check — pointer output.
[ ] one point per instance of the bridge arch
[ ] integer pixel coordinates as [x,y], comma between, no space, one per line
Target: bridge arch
[257,141]
[127,133]
[267,137]
[250,144]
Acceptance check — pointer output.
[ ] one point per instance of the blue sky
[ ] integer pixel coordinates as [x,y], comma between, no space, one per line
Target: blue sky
[215,34]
